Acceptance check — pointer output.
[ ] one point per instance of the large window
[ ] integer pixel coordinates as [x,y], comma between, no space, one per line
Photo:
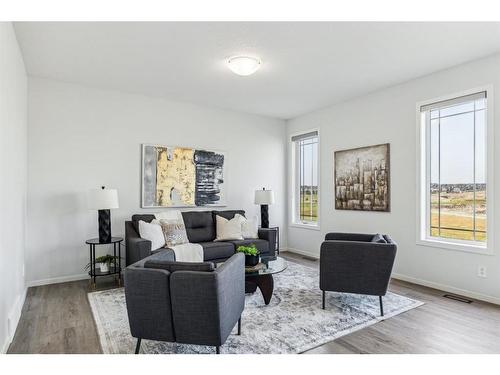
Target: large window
[306,199]
[454,136]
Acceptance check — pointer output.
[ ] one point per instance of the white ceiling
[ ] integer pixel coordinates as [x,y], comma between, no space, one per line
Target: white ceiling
[306,66]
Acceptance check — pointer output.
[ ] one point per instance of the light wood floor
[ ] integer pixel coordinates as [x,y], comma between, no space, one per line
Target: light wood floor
[57,319]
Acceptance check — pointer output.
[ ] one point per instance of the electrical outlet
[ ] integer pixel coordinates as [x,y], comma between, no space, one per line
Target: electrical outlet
[481,271]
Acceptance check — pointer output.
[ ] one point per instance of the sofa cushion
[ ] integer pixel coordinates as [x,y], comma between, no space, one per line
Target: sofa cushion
[217,250]
[200,226]
[163,260]
[261,245]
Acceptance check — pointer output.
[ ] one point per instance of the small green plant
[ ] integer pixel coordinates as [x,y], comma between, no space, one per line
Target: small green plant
[248,250]
[104,259]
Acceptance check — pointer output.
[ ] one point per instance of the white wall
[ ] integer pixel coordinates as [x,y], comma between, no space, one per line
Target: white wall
[81,138]
[389,116]
[13,166]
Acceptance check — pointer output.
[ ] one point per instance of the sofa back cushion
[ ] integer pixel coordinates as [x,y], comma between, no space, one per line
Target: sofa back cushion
[200,226]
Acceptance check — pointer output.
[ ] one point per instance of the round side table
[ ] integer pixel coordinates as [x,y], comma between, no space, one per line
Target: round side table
[114,269]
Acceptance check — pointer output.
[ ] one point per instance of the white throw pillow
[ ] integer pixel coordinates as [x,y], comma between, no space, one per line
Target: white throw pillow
[249,228]
[153,233]
[228,230]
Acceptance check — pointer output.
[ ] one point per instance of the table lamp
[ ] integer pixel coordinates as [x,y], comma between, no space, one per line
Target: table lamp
[103,200]
[264,198]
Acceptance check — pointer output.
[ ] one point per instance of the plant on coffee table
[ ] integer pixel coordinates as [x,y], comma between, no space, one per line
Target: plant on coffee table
[251,254]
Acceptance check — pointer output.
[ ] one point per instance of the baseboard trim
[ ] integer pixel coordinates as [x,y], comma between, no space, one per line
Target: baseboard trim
[300,252]
[57,280]
[447,288]
[14,316]
[414,280]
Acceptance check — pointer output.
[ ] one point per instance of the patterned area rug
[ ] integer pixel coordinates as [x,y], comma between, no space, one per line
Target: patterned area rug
[292,323]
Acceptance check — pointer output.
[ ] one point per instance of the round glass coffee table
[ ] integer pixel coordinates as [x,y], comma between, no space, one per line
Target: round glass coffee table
[262,277]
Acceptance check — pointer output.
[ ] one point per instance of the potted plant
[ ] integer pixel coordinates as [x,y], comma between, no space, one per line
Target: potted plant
[251,254]
[104,262]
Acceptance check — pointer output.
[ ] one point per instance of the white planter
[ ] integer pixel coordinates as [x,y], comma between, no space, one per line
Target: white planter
[104,267]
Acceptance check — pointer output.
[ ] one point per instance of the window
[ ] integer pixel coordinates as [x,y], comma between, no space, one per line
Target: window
[306,194]
[454,166]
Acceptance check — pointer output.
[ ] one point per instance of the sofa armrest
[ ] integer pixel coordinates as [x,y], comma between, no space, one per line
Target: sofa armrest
[270,236]
[137,248]
[207,305]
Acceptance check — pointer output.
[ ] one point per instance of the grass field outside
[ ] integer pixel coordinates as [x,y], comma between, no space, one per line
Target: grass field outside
[452,215]
[309,207]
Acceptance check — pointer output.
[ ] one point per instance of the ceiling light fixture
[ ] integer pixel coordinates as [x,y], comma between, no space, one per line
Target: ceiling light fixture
[243,65]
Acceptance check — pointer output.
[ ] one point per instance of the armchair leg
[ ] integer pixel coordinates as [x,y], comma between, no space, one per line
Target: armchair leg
[323,299]
[239,326]
[217,350]
[138,346]
[381,306]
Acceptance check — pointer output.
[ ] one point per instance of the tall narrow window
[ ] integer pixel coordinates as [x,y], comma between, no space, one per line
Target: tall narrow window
[454,136]
[306,178]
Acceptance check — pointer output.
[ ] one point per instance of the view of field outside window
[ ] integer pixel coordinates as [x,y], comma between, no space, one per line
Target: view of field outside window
[458,171]
[308,180]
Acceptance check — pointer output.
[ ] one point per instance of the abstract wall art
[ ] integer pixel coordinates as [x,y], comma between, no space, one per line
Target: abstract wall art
[362,178]
[182,177]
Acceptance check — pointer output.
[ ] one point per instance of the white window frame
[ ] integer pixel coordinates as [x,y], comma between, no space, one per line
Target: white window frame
[423,178]
[295,184]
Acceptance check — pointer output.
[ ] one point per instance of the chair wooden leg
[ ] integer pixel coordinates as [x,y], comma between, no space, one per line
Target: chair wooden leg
[323,299]
[381,306]
[138,346]
[239,326]
[217,350]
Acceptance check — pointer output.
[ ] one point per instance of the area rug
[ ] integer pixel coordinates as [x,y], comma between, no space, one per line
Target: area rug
[293,322]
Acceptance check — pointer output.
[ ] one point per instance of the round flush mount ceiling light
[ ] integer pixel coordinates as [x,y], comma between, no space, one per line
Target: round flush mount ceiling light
[243,65]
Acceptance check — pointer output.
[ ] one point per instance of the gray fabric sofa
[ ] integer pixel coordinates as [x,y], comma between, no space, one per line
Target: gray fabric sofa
[189,303]
[200,228]
[356,263]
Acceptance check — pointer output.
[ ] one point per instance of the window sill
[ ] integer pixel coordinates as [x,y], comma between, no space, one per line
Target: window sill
[306,226]
[448,245]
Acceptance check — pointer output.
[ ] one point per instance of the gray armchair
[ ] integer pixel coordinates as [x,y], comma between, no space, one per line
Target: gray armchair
[189,303]
[356,263]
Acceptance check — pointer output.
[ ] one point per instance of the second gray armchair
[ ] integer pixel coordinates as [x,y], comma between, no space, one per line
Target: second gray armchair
[357,263]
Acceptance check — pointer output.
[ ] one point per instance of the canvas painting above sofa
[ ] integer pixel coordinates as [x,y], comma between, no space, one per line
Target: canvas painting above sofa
[174,176]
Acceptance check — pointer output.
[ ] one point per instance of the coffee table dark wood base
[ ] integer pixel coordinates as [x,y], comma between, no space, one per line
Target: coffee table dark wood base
[264,282]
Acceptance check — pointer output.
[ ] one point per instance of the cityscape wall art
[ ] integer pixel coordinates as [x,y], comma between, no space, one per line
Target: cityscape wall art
[362,178]
[175,176]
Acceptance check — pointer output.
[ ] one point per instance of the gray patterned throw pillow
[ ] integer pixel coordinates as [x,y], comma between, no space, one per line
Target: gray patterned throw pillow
[174,233]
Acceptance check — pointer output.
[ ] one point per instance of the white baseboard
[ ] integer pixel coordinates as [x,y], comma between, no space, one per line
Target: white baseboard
[414,280]
[56,280]
[300,252]
[13,319]
[447,288]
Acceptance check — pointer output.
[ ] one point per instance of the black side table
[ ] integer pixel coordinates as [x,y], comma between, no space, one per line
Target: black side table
[277,230]
[115,269]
